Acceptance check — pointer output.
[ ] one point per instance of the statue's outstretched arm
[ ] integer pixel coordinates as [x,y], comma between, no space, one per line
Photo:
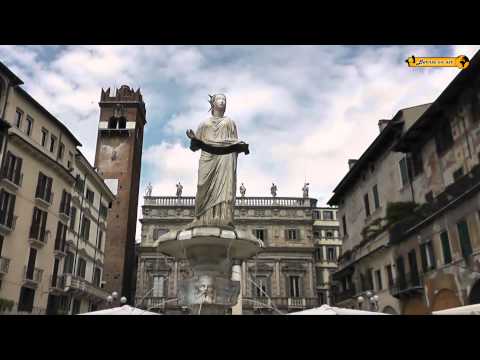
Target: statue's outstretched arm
[217,147]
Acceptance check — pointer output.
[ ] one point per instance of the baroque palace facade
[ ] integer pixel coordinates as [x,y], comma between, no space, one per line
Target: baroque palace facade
[291,273]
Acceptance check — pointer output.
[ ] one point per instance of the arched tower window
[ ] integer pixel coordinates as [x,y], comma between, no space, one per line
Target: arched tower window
[112,123]
[122,123]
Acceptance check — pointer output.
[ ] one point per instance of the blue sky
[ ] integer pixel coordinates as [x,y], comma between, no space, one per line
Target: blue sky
[304,110]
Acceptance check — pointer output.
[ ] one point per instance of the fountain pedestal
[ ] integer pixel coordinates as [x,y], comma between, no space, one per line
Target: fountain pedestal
[211,252]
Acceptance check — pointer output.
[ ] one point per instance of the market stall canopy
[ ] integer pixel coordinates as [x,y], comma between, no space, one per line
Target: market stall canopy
[330,310]
[122,310]
[462,310]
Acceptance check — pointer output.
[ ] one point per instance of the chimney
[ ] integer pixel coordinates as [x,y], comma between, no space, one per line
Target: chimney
[382,124]
[351,162]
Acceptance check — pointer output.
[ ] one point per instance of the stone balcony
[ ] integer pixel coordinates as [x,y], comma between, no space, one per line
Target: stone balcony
[7,224]
[32,277]
[84,287]
[189,201]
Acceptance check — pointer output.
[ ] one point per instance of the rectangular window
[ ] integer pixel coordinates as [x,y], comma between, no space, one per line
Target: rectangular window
[68,265]
[29,128]
[25,302]
[90,196]
[401,275]
[444,138]
[44,187]
[318,253]
[320,277]
[73,214]
[344,224]
[259,234]
[103,211]
[12,168]
[70,160]
[447,255]
[292,234]
[378,276]
[327,215]
[316,214]
[458,174]
[61,151]
[367,205]
[412,262]
[44,137]
[76,306]
[376,199]
[55,272]
[294,286]
[18,118]
[53,143]
[260,289]
[464,236]
[159,286]
[316,235]
[60,237]
[370,279]
[39,222]
[97,277]
[428,256]
[404,171]
[329,234]
[388,268]
[85,229]
[32,257]
[81,268]
[100,240]
[331,254]
[65,203]
[7,209]
[416,163]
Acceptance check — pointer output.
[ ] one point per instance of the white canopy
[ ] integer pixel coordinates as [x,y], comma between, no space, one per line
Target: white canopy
[330,310]
[462,310]
[123,310]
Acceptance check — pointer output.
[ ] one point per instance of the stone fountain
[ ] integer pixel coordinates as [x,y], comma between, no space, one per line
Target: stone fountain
[211,243]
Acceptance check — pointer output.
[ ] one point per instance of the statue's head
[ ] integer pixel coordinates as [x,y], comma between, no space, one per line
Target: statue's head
[218,102]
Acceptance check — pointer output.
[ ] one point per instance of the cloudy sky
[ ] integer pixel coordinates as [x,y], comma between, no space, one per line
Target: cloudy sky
[304,110]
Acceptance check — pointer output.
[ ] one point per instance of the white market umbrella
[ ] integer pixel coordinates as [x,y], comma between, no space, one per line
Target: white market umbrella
[330,310]
[122,310]
[461,310]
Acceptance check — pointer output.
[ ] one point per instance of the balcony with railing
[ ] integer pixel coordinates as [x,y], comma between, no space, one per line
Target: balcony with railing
[84,287]
[409,285]
[57,283]
[45,199]
[189,201]
[4,264]
[10,179]
[39,240]
[7,222]
[32,276]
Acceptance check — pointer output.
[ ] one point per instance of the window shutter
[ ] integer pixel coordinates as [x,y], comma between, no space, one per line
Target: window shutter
[18,169]
[39,185]
[62,202]
[7,164]
[58,236]
[35,224]
[44,222]
[48,189]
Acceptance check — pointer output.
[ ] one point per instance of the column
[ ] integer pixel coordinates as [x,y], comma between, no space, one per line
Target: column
[237,276]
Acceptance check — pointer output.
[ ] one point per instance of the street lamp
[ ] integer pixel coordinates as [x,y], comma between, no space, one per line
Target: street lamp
[373,299]
[111,299]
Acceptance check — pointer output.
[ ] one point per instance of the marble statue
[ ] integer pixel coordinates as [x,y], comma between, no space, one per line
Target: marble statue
[243,190]
[273,190]
[148,192]
[217,137]
[179,189]
[305,190]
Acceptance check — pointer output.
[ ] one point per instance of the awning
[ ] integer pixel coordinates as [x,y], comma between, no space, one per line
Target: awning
[122,310]
[462,310]
[330,310]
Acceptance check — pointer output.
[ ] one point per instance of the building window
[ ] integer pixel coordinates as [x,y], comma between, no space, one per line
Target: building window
[65,203]
[97,276]
[321,298]
[29,128]
[327,215]
[416,163]
[44,137]
[7,209]
[73,214]
[260,234]
[85,229]
[344,224]
[39,222]
[18,118]
[388,268]
[292,234]
[367,205]
[404,171]
[157,232]
[25,302]
[370,279]
[70,160]
[331,254]
[464,237]
[81,268]
[412,262]
[378,276]
[55,272]
[60,238]
[32,257]
[61,151]
[458,174]
[320,277]
[159,286]
[294,286]
[447,255]
[103,211]
[68,265]
[260,289]
[53,143]
[428,256]
[316,214]
[329,234]
[318,253]
[12,168]
[316,235]
[44,187]
[100,240]
[90,196]
[444,138]
[76,306]
[376,199]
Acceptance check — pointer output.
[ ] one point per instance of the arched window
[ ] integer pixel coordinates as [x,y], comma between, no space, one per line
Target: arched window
[122,123]
[112,123]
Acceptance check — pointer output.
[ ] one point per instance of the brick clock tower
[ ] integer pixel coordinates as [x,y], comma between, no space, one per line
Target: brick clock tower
[118,161]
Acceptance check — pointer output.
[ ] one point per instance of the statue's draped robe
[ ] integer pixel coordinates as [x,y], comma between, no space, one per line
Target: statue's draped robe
[216,174]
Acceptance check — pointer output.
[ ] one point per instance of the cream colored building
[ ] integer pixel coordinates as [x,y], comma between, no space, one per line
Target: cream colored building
[38,176]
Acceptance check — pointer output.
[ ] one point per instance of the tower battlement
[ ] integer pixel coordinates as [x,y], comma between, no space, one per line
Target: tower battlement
[124,93]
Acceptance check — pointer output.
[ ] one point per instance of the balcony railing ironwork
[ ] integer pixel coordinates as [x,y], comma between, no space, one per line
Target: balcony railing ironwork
[411,283]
